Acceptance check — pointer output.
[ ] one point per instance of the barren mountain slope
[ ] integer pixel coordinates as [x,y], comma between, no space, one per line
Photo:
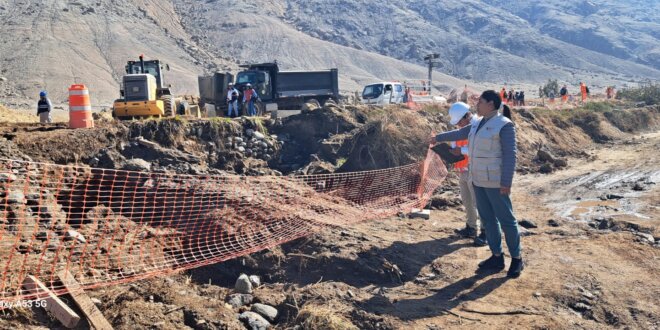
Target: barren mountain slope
[494,40]
[51,44]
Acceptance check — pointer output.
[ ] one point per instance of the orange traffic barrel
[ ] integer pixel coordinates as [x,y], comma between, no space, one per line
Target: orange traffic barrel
[80,109]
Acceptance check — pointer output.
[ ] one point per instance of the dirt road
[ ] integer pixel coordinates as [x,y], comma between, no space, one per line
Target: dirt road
[576,276]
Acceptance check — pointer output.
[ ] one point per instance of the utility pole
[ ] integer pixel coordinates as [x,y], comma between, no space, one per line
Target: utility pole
[429,59]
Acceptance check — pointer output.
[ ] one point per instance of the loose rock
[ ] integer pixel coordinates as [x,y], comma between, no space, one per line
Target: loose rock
[255,280]
[254,321]
[237,300]
[545,156]
[72,234]
[137,164]
[527,224]
[243,284]
[546,168]
[268,312]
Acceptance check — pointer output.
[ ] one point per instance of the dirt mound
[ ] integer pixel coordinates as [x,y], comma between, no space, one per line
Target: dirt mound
[11,116]
[565,133]
[304,134]
[395,137]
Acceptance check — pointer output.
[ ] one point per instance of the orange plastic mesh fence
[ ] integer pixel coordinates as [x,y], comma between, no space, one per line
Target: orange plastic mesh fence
[109,226]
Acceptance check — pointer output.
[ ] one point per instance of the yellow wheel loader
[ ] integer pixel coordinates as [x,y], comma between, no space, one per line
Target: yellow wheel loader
[143,92]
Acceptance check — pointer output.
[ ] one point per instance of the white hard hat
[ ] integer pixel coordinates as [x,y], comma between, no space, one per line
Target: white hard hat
[457,111]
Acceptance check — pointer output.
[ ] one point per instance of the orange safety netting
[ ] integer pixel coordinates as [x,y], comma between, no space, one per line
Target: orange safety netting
[108,226]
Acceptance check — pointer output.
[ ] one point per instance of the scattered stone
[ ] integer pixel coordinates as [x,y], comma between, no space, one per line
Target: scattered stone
[241,149]
[255,280]
[254,321]
[259,135]
[16,197]
[419,213]
[560,163]
[645,237]
[537,294]
[527,224]
[588,295]
[72,234]
[546,168]
[237,300]
[581,307]
[7,177]
[243,284]
[96,301]
[137,164]
[613,196]
[603,223]
[249,132]
[268,312]
[553,223]
[3,79]
[238,140]
[636,187]
[545,156]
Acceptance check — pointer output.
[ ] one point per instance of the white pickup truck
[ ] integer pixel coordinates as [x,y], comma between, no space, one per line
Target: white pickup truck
[383,93]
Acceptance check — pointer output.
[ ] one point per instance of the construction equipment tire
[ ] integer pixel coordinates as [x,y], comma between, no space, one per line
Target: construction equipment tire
[168,103]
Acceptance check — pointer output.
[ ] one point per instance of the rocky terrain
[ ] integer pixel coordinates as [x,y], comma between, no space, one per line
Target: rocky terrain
[575,187]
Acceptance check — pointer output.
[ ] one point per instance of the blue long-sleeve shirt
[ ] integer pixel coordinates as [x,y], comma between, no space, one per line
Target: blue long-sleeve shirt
[507,141]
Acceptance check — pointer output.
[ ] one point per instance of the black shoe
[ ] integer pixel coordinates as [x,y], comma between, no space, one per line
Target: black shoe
[493,263]
[481,240]
[467,232]
[517,266]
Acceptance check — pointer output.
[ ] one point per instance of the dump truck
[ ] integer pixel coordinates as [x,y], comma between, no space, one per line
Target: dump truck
[277,89]
[213,90]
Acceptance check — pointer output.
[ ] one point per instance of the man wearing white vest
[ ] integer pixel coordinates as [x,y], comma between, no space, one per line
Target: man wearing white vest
[460,115]
[492,152]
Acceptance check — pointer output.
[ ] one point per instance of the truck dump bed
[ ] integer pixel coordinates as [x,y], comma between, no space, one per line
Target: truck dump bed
[308,83]
[212,88]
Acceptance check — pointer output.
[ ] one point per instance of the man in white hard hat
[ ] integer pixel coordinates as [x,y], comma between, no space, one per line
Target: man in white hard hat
[461,116]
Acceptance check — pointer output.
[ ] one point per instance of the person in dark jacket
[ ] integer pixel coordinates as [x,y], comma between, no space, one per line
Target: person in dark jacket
[492,152]
[44,108]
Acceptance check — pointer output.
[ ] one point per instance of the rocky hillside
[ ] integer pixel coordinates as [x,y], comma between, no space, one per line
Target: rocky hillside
[50,44]
[498,40]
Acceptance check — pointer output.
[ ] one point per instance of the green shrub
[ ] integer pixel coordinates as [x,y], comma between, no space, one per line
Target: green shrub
[647,93]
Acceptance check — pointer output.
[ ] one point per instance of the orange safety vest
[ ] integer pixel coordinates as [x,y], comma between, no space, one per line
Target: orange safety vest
[461,166]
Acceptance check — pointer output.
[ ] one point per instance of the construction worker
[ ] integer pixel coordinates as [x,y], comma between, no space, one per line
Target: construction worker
[492,152]
[610,92]
[503,95]
[564,94]
[583,91]
[461,116]
[464,95]
[232,100]
[249,97]
[44,108]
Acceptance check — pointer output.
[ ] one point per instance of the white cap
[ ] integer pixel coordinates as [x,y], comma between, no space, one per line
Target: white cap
[457,111]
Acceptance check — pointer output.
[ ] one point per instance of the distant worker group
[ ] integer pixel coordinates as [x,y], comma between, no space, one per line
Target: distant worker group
[250,97]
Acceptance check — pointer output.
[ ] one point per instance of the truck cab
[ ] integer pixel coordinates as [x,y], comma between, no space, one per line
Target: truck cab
[383,93]
[262,77]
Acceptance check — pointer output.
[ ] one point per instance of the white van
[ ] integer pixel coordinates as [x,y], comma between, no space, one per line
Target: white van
[383,93]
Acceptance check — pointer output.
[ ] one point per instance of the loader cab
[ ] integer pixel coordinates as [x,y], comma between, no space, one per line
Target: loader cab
[139,87]
[152,67]
[383,93]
